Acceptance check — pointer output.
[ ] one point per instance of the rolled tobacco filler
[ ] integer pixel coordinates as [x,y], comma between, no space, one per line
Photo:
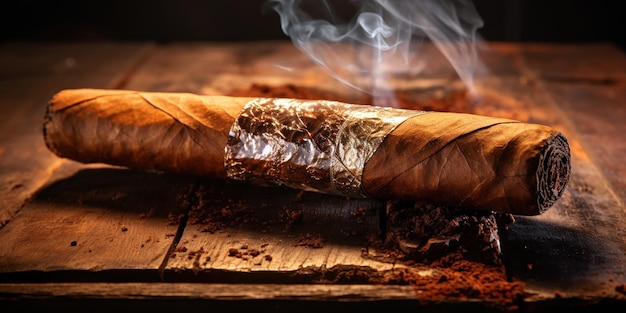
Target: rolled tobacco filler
[453,159]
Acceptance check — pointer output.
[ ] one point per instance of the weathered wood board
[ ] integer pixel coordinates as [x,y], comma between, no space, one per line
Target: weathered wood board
[57,213]
[30,74]
[101,224]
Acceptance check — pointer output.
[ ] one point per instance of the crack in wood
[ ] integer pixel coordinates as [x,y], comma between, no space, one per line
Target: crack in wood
[182,223]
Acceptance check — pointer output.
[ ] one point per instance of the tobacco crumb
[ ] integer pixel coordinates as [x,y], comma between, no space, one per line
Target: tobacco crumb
[181,249]
[73,244]
[359,215]
[358,212]
[300,195]
[310,240]
[175,219]
[195,254]
[267,257]
[124,228]
[244,252]
[144,215]
[291,217]
[216,210]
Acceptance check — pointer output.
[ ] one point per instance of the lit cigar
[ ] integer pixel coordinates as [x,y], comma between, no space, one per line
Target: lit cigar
[454,159]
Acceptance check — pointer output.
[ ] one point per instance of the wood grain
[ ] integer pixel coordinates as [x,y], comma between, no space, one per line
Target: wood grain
[56,210]
[30,74]
[577,248]
[130,232]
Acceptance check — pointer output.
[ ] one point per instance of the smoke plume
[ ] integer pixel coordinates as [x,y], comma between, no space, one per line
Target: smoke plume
[366,43]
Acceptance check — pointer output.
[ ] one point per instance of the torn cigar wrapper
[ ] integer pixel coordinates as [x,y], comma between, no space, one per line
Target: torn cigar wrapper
[455,159]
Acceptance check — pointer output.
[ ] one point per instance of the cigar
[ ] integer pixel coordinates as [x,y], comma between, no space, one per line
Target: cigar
[355,150]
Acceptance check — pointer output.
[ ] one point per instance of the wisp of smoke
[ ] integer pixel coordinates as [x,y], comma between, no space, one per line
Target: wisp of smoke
[363,43]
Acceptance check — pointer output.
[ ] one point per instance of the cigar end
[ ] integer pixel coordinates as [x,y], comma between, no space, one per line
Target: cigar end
[553,171]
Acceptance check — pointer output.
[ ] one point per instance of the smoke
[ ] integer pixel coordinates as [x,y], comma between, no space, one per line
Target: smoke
[366,43]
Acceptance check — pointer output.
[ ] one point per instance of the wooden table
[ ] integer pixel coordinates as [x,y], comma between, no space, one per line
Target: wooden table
[76,236]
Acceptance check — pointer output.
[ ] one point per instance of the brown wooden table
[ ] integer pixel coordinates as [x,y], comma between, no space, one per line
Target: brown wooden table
[99,237]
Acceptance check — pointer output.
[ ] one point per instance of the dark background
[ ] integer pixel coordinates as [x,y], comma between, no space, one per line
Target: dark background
[238,20]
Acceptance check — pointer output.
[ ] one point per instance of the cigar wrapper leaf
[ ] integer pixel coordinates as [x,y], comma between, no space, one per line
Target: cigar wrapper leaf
[455,159]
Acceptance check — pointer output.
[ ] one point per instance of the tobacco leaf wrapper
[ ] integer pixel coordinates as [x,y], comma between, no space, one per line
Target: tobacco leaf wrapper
[455,159]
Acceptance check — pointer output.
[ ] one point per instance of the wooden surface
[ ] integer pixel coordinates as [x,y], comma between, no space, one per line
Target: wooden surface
[74,234]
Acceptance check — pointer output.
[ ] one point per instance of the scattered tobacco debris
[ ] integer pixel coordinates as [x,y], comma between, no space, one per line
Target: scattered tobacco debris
[310,240]
[428,233]
[244,252]
[460,248]
[291,217]
[215,210]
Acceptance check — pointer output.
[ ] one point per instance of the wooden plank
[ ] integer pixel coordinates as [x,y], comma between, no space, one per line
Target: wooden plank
[190,291]
[574,252]
[499,59]
[79,219]
[586,239]
[30,74]
[592,63]
[167,297]
[598,111]
[576,249]
[94,219]
[281,232]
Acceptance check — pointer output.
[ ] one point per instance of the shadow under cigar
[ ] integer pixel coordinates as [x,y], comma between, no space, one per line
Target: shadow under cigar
[217,217]
[552,257]
[415,232]
[215,206]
